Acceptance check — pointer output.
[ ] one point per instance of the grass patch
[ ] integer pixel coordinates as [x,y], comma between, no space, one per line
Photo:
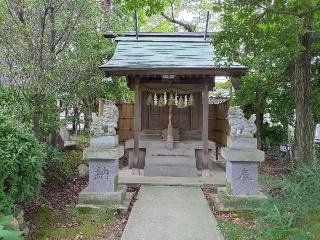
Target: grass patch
[232,231]
[71,222]
[292,211]
[45,217]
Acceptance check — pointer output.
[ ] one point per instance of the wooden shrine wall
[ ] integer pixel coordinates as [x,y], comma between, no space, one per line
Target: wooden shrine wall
[125,122]
[218,124]
[219,127]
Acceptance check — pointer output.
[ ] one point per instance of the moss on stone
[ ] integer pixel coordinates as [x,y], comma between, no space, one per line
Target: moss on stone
[71,222]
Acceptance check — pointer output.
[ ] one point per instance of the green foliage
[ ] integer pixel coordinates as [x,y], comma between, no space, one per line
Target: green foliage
[150,7]
[59,166]
[16,101]
[273,135]
[6,233]
[264,37]
[317,149]
[59,57]
[282,216]
[232,231]
[21,160]
[291,212]
[224,85]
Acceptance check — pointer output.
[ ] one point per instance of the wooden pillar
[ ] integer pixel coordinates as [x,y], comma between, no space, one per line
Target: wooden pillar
[170,129]
[205,107]
[137,121]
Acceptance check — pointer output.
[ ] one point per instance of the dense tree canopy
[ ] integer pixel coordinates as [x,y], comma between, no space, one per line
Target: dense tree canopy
[279,43]
[53,49]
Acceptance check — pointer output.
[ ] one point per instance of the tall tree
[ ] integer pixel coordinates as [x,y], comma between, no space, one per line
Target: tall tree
[278,35]
[34,34]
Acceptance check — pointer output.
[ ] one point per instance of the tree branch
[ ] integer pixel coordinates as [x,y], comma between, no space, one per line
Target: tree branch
[285,12]
[296,14]
[186,26]
[307,12]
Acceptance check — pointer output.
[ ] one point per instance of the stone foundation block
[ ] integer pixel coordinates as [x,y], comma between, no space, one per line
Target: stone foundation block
[88,198]
[242,142]
[238,155]
[105,141]
[101,152]
[225,201]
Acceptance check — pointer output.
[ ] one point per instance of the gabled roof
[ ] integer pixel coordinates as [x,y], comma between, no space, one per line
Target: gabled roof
[166,53]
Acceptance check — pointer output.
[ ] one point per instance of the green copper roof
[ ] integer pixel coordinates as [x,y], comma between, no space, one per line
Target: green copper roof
[167,53]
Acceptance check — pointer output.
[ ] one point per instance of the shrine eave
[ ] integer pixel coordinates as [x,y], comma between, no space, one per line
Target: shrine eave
[121,71]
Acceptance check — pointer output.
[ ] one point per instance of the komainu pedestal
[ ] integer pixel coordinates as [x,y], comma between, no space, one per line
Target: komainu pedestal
[103,155]
[242,156]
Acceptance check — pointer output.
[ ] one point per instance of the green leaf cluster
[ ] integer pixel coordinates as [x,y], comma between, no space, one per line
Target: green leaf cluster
[59,167]
[21,160]
[6,233]
[294,210]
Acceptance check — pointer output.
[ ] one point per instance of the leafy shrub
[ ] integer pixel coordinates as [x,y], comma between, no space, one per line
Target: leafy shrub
[59,167]
[273,135]
[294,206]
[21,160]
[6,232]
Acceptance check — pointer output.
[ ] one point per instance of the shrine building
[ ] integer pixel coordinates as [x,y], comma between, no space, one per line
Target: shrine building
[171,75]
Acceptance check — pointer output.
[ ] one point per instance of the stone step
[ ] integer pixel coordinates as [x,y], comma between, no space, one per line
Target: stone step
[170,171]
[162,151]
[170,161]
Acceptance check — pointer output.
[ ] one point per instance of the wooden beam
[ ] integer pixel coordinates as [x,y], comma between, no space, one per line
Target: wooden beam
[205,108]
[137,121]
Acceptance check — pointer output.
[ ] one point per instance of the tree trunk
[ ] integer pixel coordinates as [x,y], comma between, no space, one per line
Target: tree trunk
[304,130]
[259,122]
[259,113]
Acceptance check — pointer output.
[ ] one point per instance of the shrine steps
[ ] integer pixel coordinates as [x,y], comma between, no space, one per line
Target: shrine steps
[170,171]
[176,162]
[170,161]
[177,151]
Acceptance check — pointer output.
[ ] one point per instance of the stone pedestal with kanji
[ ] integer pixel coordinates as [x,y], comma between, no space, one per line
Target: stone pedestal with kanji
[103,155]
[242,159]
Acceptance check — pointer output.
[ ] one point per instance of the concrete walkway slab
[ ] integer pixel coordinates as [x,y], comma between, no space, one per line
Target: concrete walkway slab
[171,213]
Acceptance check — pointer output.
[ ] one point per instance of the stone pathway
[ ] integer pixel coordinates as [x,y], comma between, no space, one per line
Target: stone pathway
[171,213]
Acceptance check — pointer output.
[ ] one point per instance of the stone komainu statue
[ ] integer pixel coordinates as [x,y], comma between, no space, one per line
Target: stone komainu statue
[239,124]
[107,123]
